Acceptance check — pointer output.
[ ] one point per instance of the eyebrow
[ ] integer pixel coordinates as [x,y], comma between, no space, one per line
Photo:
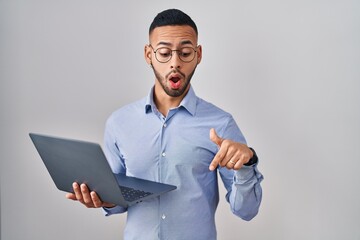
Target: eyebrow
[186,42]
[169,44]
[164,43]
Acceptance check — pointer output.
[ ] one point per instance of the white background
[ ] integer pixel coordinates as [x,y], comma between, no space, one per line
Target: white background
[288,71]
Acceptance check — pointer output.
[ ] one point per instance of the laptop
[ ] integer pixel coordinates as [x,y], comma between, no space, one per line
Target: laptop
[69,161]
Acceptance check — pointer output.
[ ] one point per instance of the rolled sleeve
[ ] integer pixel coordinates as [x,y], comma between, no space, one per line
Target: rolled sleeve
[246,194]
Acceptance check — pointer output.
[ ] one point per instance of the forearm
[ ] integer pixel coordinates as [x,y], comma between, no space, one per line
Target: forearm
[246,193]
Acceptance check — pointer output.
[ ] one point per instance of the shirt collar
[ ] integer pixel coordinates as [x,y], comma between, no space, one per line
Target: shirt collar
[189,102]
[149,104]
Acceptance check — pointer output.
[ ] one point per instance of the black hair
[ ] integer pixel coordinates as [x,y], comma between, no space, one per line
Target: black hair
[172,17]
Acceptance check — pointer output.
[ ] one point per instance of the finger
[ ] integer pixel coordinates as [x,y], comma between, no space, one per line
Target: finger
[71,196]
[215,138]
[238,165]
[213,165]
[218,159]
[224,157]
[241,161]
[77,192]
[245,157]
[95,199]
[86,195]
[228,153]
[231,163]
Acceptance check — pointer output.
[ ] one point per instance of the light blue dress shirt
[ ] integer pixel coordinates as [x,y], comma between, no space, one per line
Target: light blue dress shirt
[176,149]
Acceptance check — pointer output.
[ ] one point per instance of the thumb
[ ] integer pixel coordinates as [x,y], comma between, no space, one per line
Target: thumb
[70,196]
[215,138]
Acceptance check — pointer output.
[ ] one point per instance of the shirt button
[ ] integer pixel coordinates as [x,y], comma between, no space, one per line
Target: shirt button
[165,125]
[163,216]
[163,154]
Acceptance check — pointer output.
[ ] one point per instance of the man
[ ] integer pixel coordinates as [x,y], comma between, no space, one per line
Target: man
[165,137]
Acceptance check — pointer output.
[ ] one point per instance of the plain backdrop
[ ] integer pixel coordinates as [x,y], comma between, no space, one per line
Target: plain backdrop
[288,71]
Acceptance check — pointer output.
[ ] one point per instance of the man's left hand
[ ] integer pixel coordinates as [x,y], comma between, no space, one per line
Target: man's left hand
[232,155]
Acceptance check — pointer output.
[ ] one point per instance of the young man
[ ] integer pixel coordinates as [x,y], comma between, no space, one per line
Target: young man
[165,138]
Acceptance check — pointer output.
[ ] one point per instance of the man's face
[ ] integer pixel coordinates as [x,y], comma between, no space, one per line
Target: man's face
[173,77]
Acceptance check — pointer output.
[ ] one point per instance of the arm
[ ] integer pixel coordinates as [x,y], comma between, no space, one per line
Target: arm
[242,182]
[91,199]
[115,159]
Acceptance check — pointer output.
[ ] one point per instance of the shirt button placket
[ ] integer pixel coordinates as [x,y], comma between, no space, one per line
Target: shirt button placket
[162,165]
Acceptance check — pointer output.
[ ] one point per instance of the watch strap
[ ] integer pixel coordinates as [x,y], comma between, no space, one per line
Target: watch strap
[252,160]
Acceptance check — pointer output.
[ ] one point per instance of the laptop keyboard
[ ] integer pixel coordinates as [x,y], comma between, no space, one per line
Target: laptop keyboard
[131,194]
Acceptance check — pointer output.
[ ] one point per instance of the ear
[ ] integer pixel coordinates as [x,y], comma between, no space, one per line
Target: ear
[148,54]
[199,54]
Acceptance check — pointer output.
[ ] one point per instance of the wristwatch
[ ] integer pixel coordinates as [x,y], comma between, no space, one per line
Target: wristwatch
[252,160]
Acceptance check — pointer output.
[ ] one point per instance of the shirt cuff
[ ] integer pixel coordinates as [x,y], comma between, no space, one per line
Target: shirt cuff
[113,210]
[246,173]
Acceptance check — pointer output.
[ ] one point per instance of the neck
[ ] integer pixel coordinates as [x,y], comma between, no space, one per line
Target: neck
[165,102]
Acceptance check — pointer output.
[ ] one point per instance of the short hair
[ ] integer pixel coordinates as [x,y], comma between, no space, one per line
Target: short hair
[172,17]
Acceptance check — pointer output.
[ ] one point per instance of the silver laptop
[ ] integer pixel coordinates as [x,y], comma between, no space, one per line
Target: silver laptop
[70,161]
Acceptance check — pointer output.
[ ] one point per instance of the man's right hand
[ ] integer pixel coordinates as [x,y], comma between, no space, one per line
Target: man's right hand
[87,198]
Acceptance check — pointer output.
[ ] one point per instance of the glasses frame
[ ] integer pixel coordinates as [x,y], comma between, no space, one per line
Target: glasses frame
[171,54]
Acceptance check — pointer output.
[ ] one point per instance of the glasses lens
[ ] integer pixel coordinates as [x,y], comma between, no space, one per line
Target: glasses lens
[186,54]
[163,54]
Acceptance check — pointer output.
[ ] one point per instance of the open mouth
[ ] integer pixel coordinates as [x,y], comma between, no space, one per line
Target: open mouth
[174,79]
[175,82]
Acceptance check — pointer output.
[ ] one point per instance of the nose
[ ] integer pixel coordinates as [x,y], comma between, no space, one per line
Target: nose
[175,61]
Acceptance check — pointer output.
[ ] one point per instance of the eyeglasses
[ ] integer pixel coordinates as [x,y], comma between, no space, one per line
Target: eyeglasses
[164,54]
